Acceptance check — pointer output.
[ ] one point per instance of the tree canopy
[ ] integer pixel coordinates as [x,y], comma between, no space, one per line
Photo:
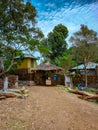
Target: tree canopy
[85,45]
[56,42]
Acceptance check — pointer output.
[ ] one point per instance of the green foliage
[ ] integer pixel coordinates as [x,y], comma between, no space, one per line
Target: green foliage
[66,60]
[85,45]
[61,29]
[18,23]
[56,42]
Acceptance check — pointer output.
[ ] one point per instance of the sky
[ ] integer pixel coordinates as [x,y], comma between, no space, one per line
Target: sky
[70,13]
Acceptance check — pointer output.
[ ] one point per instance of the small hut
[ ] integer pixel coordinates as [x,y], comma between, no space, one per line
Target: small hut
[48,74]
[92,73]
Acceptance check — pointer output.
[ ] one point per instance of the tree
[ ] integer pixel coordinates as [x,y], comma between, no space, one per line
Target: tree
[66,60]
[56,42]
[18,32]
[85,46]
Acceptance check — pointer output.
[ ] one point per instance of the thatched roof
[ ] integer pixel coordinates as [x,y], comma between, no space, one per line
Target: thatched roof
[48,66]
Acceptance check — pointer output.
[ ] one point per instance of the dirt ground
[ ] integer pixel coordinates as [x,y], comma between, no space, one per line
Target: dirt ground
[48,108]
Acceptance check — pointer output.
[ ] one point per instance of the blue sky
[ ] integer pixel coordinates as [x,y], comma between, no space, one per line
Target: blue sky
[70,13]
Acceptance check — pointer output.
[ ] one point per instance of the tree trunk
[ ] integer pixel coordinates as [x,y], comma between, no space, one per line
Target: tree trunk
[85,65]
[3,71]
[85,77]
[64,79]
[1,67]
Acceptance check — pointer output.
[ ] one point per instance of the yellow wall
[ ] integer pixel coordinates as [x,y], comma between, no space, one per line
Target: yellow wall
[26,63]
[35,63]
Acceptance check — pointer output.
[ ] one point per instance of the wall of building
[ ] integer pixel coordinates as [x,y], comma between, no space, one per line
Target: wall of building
[27,63]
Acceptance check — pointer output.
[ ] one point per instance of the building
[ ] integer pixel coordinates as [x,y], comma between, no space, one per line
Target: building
[26,67]
[48,73]
[92,69]
[92,73]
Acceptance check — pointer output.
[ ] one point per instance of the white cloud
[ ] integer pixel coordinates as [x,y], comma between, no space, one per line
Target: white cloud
[50,4]
[72,18]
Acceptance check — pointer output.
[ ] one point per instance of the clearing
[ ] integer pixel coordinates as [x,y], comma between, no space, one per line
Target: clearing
[48,108]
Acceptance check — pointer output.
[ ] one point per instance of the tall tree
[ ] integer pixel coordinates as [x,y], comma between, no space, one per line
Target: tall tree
[18,31]
[56,42]
[85,46]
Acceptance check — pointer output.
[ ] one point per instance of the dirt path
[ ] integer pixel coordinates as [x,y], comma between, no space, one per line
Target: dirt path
[48,108]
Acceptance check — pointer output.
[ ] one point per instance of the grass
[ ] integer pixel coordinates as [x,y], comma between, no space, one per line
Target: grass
[61,87]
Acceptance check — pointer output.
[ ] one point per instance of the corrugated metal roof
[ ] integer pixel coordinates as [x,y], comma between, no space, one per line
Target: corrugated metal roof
[26,56]
[90,65]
